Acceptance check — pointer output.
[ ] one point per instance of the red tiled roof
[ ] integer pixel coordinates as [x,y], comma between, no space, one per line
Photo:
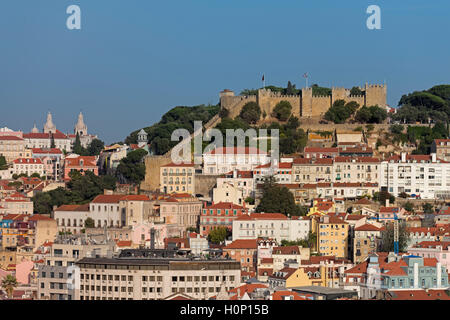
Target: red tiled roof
[46,151]
[73,207]
[279,295]
[237,150]
[241,174]
[88,161]
[248,288]
[357,159]
[224,205]
[11,138]
[414,157]
[36,217]
[433,244]
[368,227]
[320,150]
[286,250]
[40,135]
[135,197]
[243,244]
[263,216]
[107,198]
[418,295]
[28,161]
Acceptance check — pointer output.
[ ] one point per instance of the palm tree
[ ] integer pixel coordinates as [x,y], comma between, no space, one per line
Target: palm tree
[9,283]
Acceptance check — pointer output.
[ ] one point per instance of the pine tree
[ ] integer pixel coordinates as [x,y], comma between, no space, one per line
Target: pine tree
[52,141]
[77,147]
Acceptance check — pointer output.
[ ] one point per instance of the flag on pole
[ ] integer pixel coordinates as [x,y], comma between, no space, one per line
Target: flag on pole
[305,75]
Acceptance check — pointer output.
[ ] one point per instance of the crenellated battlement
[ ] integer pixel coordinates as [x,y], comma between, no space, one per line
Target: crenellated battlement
[306,104]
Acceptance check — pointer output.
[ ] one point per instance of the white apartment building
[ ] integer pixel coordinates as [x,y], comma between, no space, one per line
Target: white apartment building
[356,169]
[281,173]
[105,210]
[270,225]
[423,176]
[234,187]
[28,166]
[226,159]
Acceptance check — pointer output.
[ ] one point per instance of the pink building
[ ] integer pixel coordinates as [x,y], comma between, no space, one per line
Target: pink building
[433,249]
[80,164]
[52,160]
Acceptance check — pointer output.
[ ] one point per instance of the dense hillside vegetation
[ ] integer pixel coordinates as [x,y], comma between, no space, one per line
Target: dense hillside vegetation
[160,133]
[422,106]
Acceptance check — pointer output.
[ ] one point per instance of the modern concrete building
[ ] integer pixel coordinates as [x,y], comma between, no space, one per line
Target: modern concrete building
[59,276]
[154,275]
[424,176]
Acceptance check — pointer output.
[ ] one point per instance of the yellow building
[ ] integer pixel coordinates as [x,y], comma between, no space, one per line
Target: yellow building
[302,276]
[332,236]
[177,178]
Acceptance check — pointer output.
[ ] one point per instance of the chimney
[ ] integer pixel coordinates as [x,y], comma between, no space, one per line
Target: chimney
[403,156]
[433,157]
[387,203]
[234,173]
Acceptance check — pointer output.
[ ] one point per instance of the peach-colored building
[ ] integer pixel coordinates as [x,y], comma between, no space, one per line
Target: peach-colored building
[80,164]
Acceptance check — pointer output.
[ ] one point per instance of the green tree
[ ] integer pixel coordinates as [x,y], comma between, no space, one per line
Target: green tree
[387,238]
[382,196]
[9,283]
[356,91]
[95,147]
[277,199]
[428,208]
[89,223]
[159,134]
[218,235]
[3,163]
[340,111]
[35,175]
[250,113]
[282,110]
[132,168]
[250,200]
[77,147]
[52,141]
[409,206]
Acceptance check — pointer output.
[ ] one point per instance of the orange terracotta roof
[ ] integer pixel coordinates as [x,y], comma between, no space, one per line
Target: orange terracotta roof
[418,295]
[28,161]
[368,227]
[243,244]
[88,161]
[107,198]
[224,205]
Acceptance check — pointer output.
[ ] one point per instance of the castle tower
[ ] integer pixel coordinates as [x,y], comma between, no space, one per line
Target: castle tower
[49,127]
[306,105]
[376,95]
[35,129]
[142,138]
[80,127]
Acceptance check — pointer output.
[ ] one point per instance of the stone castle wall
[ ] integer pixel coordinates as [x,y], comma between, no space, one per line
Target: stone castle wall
[305,105]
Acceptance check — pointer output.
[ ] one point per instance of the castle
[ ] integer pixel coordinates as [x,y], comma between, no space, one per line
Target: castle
[305,105]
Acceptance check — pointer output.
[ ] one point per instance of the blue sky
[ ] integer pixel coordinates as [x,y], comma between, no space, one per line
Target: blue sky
[134,60]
